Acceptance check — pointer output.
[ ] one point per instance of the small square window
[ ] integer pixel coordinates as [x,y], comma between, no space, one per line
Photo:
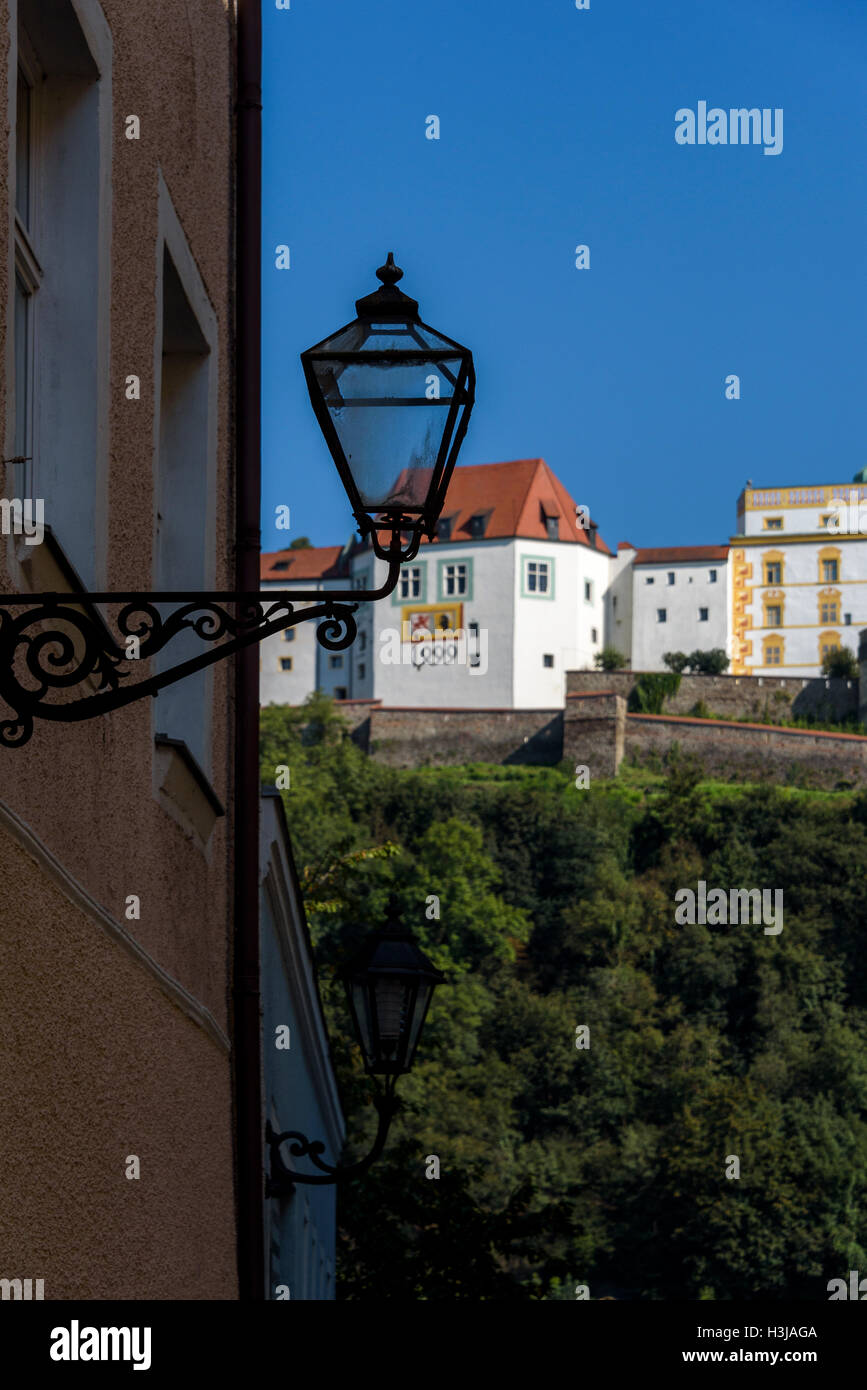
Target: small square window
[712,576]
[649,579]
[335,663]
[548,659]
[289,634]
[670,576]
[340,692]
[703,614]
[285,663]
[773,523]
[661,615]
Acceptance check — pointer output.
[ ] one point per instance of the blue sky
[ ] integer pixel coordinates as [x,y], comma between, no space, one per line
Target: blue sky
[557,129]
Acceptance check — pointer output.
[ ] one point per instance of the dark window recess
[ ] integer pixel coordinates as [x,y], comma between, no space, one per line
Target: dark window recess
[552,526]
[703,615]
[661,615]
[340,692]
[444,528]
[286,663]
[477,526]
[548,659]
[362,671]
[280,565]
[289,634]
[847,619]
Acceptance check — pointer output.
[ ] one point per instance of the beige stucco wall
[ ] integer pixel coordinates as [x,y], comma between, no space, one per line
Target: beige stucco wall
[98,1060]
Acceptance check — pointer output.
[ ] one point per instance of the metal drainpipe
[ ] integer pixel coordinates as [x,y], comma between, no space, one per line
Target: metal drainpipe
[246,1034]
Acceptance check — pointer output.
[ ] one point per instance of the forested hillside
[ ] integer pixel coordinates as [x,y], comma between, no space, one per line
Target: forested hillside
[604,1166]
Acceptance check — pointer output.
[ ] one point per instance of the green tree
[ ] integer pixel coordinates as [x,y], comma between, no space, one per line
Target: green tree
[842,662]
[609,659]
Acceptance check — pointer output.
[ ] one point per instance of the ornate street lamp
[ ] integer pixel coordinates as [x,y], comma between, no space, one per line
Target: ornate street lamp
[389,986]
[393,399]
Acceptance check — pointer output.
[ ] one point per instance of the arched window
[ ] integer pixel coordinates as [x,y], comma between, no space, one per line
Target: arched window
[830,565]
[773,565]
[830,603]
[772,651]
[773,608]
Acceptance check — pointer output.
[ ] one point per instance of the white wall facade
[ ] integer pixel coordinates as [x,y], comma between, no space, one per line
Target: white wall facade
[281,684]
[696,610]
[618,602]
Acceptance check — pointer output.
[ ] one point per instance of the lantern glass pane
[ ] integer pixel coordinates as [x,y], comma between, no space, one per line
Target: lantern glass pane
[393,997]
[368,335]
[361,1002]
[390,419]
[421,1002]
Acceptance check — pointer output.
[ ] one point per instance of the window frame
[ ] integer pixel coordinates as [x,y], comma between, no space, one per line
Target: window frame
[526,591]
[398,599]
[458,597]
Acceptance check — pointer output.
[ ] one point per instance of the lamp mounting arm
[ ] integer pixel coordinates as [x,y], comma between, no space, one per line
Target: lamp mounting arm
[281,1179]
[63,660]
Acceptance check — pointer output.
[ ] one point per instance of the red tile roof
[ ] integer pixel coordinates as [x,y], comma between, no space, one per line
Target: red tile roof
[288,566]
[515,498]
[675,553]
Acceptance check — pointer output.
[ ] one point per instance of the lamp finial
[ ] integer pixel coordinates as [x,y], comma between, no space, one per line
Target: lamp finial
[389,273]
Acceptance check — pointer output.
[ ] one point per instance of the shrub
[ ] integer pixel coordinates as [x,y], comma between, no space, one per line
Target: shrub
[676,661]
[840,662]
[609,659]
[652,689]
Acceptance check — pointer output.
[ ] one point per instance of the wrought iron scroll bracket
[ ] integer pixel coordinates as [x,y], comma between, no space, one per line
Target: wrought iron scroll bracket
[62,660]
[281,1179]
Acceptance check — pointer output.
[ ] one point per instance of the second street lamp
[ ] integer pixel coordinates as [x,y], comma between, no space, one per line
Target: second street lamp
[389,985]
[393,398]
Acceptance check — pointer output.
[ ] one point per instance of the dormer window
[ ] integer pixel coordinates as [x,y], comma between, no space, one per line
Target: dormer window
[477,526]
[550,518]
[444,528]
[280,565]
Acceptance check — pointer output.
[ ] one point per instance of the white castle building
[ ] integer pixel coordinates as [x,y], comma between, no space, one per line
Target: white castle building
[518,587]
